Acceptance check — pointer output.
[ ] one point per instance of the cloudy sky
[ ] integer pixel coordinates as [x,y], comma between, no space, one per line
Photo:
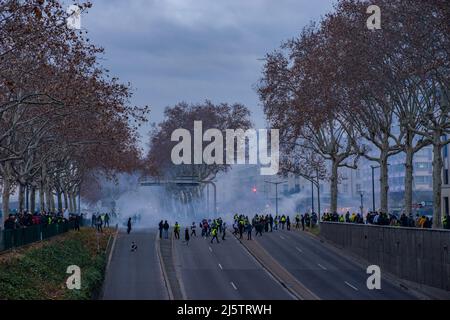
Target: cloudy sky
[192,50]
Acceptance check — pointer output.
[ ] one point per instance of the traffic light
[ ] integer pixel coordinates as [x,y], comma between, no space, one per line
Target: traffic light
[254,189]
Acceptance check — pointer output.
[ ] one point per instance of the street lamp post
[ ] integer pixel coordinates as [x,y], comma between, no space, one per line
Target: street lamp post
[318,193]
[276,193]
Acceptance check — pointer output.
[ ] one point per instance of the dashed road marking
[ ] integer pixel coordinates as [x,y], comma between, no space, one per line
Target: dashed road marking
[299,250]
[322,266]
[282,237]
[210,249]
[233,285]
[220,266]
[351,286]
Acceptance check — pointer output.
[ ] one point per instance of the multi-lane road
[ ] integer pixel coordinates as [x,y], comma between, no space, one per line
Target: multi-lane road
[226,270]
[328,274]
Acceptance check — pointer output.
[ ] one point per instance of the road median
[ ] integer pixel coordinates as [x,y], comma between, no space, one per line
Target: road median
[284,277]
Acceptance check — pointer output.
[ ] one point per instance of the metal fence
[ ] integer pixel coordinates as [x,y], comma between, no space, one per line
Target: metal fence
[22,236]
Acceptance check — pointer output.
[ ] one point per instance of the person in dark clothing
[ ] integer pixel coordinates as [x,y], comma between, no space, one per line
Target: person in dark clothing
[249,228]
[224,230]
[303,222]
[160,226]
[166,230]
[271,222]
[186,236]
[193,232]
[10,223]
[129,226]
[241,230]
[77,223]
[288,223]
[99,224]
[106,220]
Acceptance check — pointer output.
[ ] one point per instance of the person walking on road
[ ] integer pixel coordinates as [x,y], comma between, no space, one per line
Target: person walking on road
[283,221]
[224,230]
[129,226]
[288,223]
[160,226]
[193,227]
[241,227]
[166,230]
[303,222]
[249,228]
[271,222]
[176,230]
[186,236]
[214,235]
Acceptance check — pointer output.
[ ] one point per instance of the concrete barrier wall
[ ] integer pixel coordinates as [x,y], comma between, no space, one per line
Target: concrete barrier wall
[418,255]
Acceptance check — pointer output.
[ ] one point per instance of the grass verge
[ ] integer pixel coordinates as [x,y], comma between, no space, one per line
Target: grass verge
[38,272]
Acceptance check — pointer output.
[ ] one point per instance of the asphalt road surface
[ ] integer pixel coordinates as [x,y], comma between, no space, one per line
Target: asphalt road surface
[323,271]
[135,275]
[224,271]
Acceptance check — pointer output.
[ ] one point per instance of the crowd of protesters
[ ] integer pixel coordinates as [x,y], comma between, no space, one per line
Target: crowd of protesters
[385,219]
[100,220]
[24,219]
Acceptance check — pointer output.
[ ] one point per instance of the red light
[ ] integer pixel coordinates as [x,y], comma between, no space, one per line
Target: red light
[254,189]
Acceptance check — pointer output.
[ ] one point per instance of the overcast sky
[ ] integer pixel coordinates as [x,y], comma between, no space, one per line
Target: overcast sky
[192,50]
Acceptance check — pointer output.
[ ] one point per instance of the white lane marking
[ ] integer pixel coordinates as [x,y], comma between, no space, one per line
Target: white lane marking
[322,266]
[282,237]
[299,250]
[220,266]
[210,249]
[233,285]
[353,287]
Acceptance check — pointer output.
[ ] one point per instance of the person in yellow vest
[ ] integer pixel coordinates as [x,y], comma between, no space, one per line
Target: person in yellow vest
[283,221]
[176,230]
[214,235]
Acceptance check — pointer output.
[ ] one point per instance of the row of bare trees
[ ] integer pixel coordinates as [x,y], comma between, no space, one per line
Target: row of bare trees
[341,91]
[62,117]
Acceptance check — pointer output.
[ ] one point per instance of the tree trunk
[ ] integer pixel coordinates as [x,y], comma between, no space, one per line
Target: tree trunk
[437,181]
[48,202]
[52,201]
[42,197]
[74,201]
[21,197]
[33,199]
[70,202]
[66,204]
[59,197]
[334,186]
[409,151]
[384,182]
[5,198]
